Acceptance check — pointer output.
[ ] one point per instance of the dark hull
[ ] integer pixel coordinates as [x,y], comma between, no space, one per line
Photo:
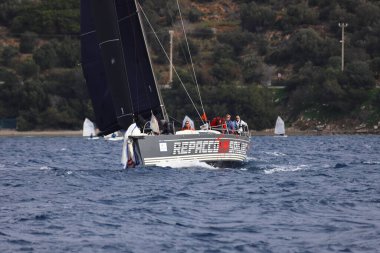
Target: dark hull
[215,149]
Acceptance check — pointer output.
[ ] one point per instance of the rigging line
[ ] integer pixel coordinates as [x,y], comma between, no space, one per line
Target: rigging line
[191,59]
[175,119]
[167,57]
[183,51]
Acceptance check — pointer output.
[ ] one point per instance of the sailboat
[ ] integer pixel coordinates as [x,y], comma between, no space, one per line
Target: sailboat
[125,96]
[116,136]
[279,129]
[89,129]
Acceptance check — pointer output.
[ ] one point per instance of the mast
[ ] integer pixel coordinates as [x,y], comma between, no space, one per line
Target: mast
[164,113]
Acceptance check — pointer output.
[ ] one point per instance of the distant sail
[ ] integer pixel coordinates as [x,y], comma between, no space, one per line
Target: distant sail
[88,128]
[280,126]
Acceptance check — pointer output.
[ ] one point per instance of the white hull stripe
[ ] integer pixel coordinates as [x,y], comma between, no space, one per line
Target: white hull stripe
[210,157]
[205,156]
[200,160]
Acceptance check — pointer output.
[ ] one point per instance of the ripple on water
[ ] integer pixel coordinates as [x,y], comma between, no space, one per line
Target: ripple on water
[285,168]
[305,194]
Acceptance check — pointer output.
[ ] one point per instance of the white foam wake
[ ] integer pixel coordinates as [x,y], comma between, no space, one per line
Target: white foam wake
[186,164]
[285,169]
[371,162]
[251,158]
[275,153]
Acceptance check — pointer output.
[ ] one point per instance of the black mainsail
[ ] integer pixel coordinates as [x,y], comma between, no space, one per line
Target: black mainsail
[113,46]
[94,73]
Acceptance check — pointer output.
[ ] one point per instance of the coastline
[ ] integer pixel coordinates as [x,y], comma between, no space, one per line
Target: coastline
[266,132]
[44,133]
[308,132]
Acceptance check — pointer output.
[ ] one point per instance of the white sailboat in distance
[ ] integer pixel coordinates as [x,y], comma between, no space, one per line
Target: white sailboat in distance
[89,129]
[279,129]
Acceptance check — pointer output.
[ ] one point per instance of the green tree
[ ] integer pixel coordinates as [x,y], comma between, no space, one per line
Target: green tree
[28,69]
[359,75]
[28,42]
[194,15]
[68,52]
[255,18]
[226,70]
[10,87]
[238,40]
[46,56]
[7,55]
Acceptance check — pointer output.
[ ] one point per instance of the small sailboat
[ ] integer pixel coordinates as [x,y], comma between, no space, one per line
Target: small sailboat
[115,136]
[125,96]
[279,129]
[89,129]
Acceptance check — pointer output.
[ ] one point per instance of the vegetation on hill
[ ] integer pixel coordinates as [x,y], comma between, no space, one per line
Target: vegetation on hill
[242,51]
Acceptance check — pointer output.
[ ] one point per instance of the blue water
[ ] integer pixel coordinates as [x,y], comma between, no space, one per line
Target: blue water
[295,194]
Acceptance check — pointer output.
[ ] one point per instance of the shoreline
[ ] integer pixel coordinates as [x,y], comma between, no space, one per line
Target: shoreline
[325,132]
[44,133]
[267,132]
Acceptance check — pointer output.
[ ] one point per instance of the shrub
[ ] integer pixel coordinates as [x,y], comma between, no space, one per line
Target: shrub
[256,18]
[194,15]
[28,69]
[46,56]
[27,42]
[7,55]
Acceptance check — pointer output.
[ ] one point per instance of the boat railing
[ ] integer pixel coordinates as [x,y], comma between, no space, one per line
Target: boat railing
[223,129]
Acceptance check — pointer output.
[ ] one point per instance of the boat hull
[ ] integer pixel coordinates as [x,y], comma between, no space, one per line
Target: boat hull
[210,148]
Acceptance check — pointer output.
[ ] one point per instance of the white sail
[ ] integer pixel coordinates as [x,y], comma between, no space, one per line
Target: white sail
[88,128]
[280,126]
[154,124]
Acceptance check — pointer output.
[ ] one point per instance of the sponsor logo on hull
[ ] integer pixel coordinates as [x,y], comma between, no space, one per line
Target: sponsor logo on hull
[209,147]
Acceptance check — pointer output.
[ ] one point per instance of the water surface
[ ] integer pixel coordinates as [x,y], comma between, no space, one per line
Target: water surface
[295,194]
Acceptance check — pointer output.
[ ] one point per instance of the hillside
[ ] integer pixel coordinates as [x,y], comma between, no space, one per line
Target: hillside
[242,51]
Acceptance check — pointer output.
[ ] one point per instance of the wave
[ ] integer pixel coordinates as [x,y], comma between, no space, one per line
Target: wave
[186,164]
[370,162]
[45,168]
[285,169]
[275,153]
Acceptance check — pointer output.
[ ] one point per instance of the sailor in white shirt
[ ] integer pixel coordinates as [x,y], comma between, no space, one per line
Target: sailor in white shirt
[239,124]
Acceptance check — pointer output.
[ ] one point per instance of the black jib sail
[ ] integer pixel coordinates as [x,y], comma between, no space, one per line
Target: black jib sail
[145,97]
[114,33]
[93,71]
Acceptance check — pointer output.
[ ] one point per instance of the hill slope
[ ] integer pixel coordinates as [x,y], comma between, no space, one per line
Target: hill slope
[241,49]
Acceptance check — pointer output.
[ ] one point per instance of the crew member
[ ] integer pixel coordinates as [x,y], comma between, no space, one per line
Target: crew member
[229,123]
[239,124]
[187,126]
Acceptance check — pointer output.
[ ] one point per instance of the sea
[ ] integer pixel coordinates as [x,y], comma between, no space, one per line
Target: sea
[294,194]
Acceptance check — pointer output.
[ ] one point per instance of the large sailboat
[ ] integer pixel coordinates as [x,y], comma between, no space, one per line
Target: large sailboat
[125,96]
